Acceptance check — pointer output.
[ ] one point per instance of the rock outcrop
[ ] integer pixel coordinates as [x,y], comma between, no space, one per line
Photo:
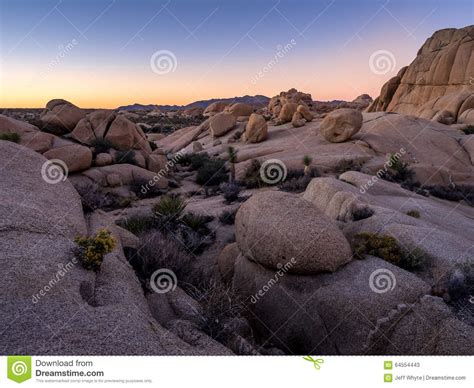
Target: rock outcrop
[60,116]
[341,124]
[439,79]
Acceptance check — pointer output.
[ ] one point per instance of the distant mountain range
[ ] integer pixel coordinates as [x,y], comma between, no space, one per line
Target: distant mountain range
[257,100]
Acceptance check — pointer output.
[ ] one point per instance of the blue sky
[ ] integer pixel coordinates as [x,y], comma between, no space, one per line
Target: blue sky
[219,47]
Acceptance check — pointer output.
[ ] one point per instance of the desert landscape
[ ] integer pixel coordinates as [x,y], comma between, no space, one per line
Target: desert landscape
[254,225]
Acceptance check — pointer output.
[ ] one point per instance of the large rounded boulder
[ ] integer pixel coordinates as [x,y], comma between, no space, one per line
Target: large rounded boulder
[222,123]
[340,125]
[256,129]
[281,230]
[60,116]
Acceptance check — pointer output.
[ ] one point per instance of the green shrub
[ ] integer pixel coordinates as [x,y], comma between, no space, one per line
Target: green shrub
[252,178]
[169,209]
[469,130]
[13,137]
[230,191]
[125,157]
[137,224]
[101,145]
[212,173]
[388,249]
[413,260]
[196,222]
[413,213]
[385,247]
[456,193]
[91,250]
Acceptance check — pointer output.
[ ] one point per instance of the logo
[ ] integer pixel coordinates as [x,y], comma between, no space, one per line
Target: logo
[19,368]
[273,171]
[54,171]
[382,280]
[382,62]
[163,62]
[163,280]
[316,361]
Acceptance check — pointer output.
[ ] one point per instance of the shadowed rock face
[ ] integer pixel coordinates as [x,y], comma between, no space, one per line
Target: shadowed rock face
[74,311]
[439,79]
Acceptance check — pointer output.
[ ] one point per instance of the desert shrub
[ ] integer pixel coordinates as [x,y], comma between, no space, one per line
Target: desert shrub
[347,165]
[399,172]
[196,241]
[385,247]
[125,157]
[13,137]
[469,130]
[143,189]
[157,250]
[91,250]
[101,145]
[252,178]
[195,161]
[296,181]
[196,222]
[388,249]
[212,173]
[220,303]
[456,193]
[169,209]
[137,224]
[413,213]
[413,260]
[227,217]
[93,198]
[230,191]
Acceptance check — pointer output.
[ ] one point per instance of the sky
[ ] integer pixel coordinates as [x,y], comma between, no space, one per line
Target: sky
[107,53]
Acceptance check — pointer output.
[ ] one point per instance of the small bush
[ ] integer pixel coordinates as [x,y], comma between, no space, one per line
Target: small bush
[469,130]
[227,217]
[91,250]
[385,247]
[461,281]
[347,165]
[101,145]
[252,178]
[388,249]
[137,224]
[125,157]
[413,260]
[413,213]
[400,173]
[212,173]
[157,250]
[13,137]
[195,161]
[457,193]
[169,209]
[196,222]
[220,303]
[230,191]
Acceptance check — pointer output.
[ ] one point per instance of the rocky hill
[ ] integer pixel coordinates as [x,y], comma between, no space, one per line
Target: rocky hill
[438,85]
